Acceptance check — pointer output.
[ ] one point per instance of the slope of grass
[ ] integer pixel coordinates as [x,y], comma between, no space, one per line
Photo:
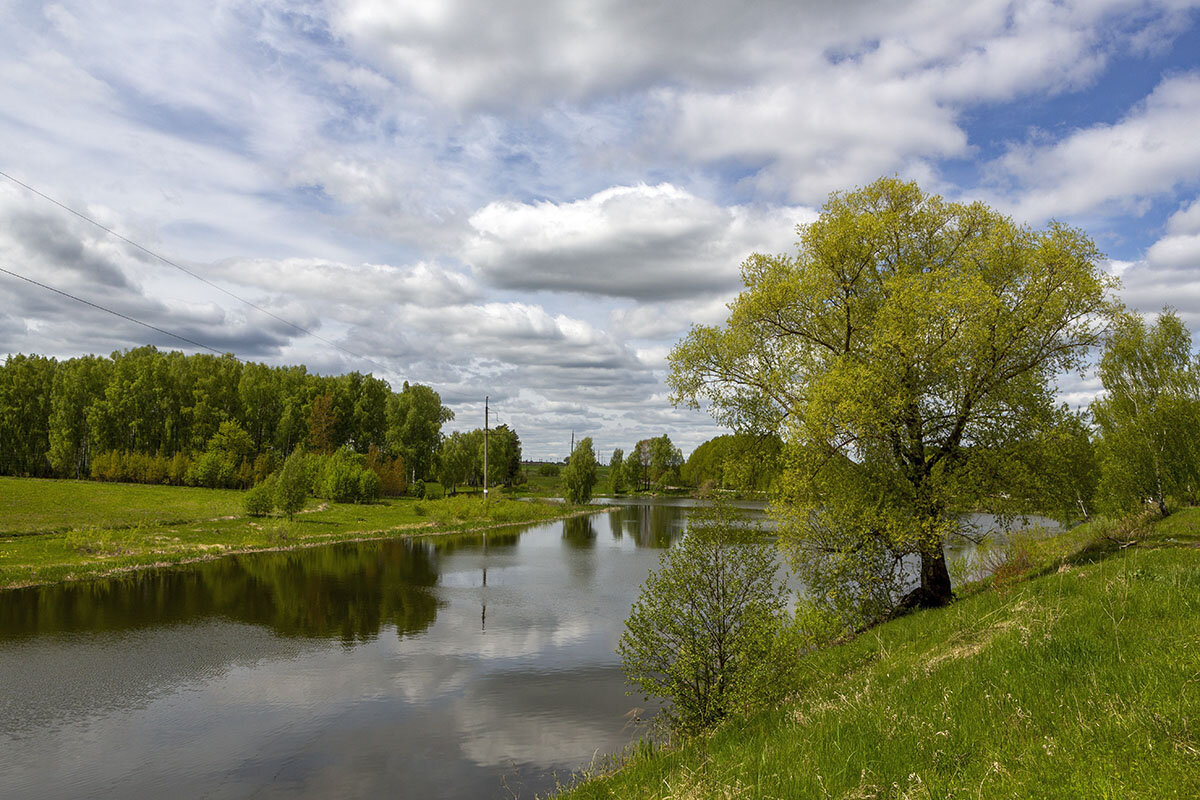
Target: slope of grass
[1079,679]
[67,530]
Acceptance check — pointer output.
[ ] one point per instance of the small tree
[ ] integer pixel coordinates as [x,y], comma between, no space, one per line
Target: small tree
[292,488]
[616,471]
[710,629]
[260,500]
[579,476]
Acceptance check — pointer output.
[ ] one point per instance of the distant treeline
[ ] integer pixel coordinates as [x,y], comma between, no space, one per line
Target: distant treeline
[740,462]
[165,417]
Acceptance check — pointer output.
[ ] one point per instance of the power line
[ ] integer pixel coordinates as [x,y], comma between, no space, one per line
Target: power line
[114,313]
[183,269]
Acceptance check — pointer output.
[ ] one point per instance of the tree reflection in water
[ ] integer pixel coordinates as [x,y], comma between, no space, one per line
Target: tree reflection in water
[347,592]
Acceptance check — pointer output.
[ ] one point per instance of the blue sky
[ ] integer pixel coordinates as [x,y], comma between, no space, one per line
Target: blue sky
[534,201]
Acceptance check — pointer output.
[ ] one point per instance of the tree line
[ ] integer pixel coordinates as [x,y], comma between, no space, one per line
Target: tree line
[167,417]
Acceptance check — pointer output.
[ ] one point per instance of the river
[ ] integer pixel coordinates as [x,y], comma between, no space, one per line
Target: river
[445,667]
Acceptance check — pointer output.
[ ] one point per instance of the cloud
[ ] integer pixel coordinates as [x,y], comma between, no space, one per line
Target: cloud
[352,286]
[644,242]
[1150,152]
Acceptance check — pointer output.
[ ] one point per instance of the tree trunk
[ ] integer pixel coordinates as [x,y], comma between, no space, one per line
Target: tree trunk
[935,588]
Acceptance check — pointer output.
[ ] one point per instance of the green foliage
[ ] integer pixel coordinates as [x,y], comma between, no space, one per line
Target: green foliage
[59,415]
[414,423]
[710,630]
[504,456]
[653,463]
[224,462]
[1149,418]
[370,488]
[907,352]
[260,499]
[548,470]
[126,467]
[579,476]
[616,471]
[294,484]
[342,477]
[739,462]
[25,394]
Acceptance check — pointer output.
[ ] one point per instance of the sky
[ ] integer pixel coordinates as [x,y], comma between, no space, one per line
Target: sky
[533,201]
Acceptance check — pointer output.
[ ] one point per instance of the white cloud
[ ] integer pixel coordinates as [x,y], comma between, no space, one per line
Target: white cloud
[1148,153]
[353,286]
[627,241]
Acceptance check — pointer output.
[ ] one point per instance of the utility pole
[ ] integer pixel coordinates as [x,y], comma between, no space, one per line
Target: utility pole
[572,450]
[485,438]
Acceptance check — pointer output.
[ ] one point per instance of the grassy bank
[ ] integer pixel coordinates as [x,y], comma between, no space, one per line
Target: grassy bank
[67,530]
[1077,674]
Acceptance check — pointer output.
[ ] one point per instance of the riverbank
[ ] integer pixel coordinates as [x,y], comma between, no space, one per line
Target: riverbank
[1075,672]
[54,530]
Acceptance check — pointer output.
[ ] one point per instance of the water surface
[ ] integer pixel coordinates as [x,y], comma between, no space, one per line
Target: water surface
[448,667]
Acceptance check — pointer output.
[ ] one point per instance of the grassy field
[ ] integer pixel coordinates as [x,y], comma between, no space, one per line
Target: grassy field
[65,530]
[1077,677]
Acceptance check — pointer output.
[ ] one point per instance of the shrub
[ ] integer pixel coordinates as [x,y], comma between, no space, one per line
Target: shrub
[710,629]
[548,470]
[369,486]
[177,469]
[338,481]
[260,500]
[418,490]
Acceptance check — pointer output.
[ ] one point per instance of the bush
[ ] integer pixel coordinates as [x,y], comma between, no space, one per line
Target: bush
[369,487]
[710,629]
[260,500]
[418,490]
[338,481]
[548,470]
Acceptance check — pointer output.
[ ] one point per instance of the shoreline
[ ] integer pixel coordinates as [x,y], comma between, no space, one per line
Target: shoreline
[351,537]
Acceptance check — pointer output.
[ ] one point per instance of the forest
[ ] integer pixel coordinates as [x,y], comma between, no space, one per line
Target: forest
[150,416]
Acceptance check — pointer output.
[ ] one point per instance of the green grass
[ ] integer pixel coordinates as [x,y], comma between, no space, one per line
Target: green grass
[68,530]
[1080,679]
[34,505]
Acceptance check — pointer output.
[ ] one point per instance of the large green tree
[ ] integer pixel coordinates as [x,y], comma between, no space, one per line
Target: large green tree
[1149,416]
[415,417]
[906,353]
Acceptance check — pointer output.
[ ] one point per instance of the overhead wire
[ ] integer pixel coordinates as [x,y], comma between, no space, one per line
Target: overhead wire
[179,267]
[114,313]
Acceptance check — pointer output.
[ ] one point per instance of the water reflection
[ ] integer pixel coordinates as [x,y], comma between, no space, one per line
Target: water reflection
[277,674]
[345,592]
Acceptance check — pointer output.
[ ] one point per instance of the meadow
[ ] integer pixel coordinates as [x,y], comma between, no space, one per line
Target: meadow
[52,530]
